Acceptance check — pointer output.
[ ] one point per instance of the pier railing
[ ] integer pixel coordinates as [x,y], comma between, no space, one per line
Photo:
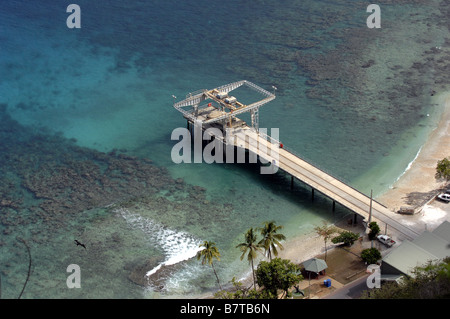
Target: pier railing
[336,188]
[196,97]
[310,162]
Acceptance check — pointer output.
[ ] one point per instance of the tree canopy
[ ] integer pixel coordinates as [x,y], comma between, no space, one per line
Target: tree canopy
[346,237]
[371,255]
[326,231]
[271,238]
[207,255]
[374,230]
[278,274]
[252,247]
[431,281]
[443,169]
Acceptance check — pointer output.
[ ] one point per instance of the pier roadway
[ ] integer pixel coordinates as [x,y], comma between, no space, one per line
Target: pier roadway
[318,180]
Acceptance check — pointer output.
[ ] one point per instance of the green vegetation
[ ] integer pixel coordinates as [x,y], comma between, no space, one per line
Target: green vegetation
[371,255]
[431,281]
[443,169]
[325,231]
[239,292]
[346,237]
[278,274]
[271,239]
[374,230]
[207,255]
[271,276]
[250,245]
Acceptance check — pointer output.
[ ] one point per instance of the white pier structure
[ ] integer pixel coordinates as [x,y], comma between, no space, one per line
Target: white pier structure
[218,108]
[222,108]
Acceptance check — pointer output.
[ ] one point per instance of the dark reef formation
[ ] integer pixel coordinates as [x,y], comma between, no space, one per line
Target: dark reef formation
[52,176]
[50,186]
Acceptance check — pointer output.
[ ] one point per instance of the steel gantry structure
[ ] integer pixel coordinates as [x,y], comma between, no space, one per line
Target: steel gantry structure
[222,107]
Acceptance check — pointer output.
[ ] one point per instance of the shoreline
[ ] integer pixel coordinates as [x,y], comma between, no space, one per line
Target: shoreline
[416,181]
[419,177]
[310,245]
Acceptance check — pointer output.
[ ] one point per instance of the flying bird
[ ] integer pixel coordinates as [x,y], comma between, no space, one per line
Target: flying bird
[80,244]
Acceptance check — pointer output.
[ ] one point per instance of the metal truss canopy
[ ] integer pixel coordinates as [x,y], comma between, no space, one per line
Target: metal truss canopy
[233,106]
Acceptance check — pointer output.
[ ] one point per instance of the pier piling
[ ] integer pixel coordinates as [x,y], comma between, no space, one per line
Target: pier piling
[223,109]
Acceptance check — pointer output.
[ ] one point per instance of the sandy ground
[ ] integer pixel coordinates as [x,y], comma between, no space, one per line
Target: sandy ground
[419,179]
[417,187]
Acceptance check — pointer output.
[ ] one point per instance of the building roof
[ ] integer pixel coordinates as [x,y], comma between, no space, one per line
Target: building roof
[407,256]
[315,265]
[443,231]
[433,244]
[429,246]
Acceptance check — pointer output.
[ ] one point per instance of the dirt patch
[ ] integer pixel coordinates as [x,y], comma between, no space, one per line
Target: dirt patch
[344,264]
[316,290]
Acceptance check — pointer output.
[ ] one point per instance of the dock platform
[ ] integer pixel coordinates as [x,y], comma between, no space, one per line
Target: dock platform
[215,108]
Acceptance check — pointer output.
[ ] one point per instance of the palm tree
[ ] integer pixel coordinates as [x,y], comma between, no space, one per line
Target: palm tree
[207,254]
[271,239]
[250,245]
[325,231]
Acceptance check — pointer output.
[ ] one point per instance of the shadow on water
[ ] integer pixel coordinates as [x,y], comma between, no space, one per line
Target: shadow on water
[343,100]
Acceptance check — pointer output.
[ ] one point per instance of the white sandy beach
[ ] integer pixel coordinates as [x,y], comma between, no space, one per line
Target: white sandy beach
[420,176]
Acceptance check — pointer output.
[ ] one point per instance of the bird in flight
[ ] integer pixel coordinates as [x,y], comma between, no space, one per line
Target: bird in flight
[80,244]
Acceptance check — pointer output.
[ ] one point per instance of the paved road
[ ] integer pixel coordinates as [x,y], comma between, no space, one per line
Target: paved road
[352,290]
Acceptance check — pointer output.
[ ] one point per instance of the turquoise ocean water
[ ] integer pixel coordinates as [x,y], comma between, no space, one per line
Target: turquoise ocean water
[87,117]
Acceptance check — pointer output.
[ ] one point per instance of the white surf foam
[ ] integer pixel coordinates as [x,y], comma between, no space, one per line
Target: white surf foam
[409,165]
[177,246]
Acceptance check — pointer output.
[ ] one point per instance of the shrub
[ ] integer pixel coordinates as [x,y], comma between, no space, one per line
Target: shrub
[371,255]
[374,230]
[346,237]
[443,169]
[278,274]
[430,281]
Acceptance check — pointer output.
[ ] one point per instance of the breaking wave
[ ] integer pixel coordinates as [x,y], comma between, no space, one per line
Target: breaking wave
[177,246]
[409,166]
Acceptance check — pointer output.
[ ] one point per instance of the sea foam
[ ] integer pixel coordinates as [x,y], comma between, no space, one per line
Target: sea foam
[177,246]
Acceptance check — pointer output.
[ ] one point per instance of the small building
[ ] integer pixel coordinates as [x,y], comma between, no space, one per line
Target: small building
[230,100]
[221,95]
[429,246]
[443,231]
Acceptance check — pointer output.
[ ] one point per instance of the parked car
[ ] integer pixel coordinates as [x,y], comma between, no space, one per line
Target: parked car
[444,197]
[385,239]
